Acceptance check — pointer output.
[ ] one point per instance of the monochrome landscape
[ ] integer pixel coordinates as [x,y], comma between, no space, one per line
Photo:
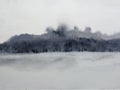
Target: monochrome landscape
[59,44]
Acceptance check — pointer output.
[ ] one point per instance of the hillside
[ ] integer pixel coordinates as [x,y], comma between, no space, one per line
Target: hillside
[62,39]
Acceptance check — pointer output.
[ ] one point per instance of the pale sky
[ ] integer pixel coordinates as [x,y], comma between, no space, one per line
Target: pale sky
[33,16]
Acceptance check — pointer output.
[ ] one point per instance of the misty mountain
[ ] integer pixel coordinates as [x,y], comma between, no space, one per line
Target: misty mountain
[62,39]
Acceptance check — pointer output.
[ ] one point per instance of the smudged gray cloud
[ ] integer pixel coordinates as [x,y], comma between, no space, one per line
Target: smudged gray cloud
[33,16]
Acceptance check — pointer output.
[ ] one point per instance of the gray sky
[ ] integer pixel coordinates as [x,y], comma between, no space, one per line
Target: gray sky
[33,16]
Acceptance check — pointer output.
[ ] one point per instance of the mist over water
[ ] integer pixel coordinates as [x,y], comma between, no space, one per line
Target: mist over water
[59,71]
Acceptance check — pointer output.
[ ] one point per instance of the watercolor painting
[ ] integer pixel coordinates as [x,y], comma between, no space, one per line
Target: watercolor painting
[59,45]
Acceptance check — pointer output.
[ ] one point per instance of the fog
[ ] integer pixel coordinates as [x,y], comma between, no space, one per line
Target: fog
[60,71]
[33,16]
[65,32]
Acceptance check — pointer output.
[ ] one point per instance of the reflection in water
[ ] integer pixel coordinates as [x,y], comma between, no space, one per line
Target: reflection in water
[37,61]
[59,70]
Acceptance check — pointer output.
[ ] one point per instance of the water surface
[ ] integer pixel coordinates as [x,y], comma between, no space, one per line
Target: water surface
[74,70]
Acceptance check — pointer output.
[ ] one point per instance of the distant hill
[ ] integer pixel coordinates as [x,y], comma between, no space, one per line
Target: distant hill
[62,39]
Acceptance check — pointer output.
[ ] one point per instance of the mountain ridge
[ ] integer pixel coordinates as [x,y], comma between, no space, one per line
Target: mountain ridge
[62,39]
